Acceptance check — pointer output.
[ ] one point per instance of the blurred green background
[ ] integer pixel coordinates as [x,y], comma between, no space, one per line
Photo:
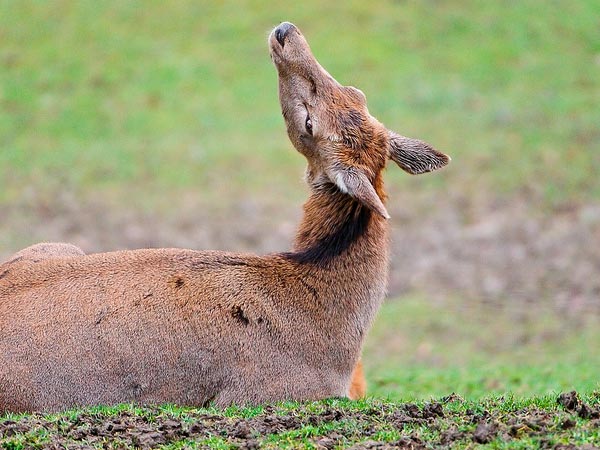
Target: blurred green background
[130,124]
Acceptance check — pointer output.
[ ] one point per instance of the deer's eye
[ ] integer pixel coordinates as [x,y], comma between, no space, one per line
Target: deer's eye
[308,125]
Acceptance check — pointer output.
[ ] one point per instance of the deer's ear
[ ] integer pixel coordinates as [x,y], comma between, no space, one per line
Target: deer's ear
[415,156]
[355,183]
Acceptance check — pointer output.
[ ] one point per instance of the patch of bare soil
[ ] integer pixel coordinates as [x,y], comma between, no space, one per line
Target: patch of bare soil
[338,427]
[452,246]
[503,251]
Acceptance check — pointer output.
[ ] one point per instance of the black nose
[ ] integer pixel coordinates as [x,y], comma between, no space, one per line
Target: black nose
[281,32]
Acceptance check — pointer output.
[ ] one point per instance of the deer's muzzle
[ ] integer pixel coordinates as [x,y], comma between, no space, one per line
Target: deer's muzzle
[281,32]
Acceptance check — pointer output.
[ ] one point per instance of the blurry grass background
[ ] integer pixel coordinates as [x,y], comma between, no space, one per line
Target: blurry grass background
[129,123]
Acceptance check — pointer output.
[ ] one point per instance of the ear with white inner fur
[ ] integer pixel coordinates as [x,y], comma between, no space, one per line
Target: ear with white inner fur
[354,182]
[415,156]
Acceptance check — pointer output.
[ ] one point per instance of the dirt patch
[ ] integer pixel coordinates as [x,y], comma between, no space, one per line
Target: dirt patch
[571,402]
[347,426]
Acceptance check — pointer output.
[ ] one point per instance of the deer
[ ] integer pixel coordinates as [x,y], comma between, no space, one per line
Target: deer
[218,328]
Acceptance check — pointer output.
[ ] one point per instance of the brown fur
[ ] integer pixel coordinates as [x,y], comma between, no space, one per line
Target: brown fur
[194,327]
[46,250]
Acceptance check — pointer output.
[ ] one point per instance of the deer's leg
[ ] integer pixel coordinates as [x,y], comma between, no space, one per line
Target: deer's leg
[358,383]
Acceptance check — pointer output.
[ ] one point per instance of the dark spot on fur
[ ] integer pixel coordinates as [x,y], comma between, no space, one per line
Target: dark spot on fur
[178,282]
[101,315]
[238,313]
[260,320]
[149,294]
[3,274]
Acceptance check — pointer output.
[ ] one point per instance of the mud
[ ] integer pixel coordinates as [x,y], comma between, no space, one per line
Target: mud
[349,427]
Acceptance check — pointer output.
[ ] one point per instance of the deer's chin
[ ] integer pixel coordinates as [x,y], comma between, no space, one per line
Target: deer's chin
[276,60]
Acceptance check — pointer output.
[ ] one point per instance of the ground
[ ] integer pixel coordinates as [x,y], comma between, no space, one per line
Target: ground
[563,422]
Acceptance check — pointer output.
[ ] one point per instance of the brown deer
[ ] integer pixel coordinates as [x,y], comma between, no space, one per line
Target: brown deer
[195,327]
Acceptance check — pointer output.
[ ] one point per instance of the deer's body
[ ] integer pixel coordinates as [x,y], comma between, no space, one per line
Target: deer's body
[176,326]
[192,327]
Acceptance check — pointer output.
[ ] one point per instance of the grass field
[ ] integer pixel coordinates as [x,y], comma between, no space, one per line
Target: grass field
[127,124]
[102,97]
[418,350]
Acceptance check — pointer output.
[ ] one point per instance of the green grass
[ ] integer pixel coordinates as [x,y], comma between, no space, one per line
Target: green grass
[451,422]
[420,349]
[111,97]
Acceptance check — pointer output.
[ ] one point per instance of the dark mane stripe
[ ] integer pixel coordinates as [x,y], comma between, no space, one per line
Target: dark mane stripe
[352,224]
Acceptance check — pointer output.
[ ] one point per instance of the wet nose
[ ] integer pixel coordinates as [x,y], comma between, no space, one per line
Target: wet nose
[281,32]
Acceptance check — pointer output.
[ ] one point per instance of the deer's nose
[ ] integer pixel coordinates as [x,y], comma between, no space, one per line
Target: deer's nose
[281,32]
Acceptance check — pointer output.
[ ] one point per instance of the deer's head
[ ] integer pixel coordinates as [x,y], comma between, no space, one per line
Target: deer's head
[331,126]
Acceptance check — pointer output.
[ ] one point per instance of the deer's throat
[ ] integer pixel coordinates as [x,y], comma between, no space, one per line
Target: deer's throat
[336,227]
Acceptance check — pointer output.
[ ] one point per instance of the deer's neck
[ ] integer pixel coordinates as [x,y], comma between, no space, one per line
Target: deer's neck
[344,247]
